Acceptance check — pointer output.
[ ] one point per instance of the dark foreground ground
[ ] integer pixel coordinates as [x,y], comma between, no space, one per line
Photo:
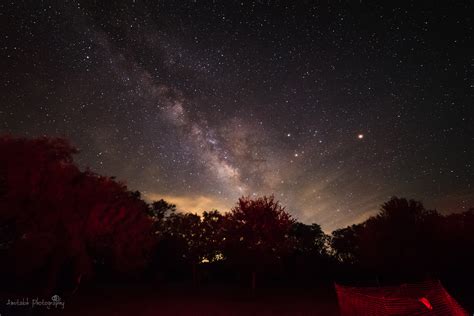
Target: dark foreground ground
[148,300]
[140,299]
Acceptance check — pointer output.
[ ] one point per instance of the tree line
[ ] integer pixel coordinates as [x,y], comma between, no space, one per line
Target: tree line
[60,226]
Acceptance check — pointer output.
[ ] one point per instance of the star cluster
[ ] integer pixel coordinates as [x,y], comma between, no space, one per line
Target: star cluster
[331,107]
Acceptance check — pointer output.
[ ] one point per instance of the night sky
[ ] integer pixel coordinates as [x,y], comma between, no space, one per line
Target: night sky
[332,108]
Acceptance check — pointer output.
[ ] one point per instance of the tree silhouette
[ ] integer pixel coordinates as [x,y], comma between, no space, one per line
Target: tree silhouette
[159,209]
[401,210]
[257,233]
[212,237]
[55,218]
[190,239]
[309,240]
[345,244]
[59,224]
[398,241]
[309,255]
[454,238]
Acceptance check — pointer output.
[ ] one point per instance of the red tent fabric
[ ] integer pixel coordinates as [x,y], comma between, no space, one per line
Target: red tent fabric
[427,298]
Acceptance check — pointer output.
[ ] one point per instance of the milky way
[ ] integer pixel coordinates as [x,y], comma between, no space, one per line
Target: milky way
[331,108]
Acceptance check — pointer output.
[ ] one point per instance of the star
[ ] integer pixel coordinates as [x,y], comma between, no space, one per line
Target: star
[214,110]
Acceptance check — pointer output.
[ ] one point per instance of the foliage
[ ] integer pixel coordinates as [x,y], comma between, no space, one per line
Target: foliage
[257,231]
[404,240]
[55,217]
[57,220]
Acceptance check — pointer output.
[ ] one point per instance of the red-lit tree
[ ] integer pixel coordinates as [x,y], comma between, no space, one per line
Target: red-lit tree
[256,233]
[57,222]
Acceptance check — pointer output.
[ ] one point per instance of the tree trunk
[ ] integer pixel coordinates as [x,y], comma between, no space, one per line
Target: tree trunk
[254,281]
[194,274]
[54,268]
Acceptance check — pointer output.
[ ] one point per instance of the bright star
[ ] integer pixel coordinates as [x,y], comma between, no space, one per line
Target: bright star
[360,136]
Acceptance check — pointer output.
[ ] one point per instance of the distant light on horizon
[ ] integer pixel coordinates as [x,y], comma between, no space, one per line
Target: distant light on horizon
[215,109]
